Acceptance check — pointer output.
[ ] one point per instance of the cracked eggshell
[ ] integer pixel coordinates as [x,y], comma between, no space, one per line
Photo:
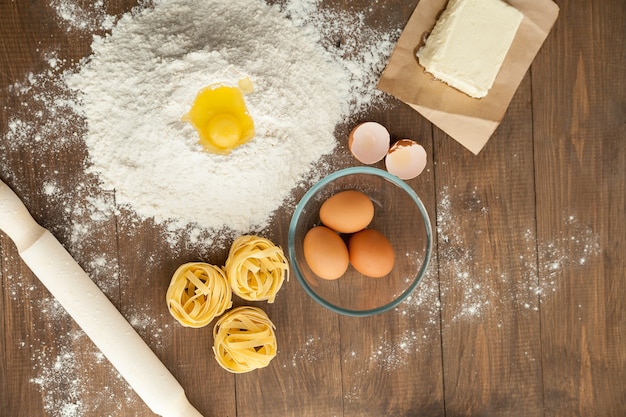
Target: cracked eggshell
[369,142]
[406,159]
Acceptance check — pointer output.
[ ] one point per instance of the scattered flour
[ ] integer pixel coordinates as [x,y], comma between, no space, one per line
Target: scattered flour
[85,16]
[65,367]
[64,379]
[146,323]
[537,280]
[581,242]
[313,349]
[456,259]
[357,46]
[539,266]
[392,354]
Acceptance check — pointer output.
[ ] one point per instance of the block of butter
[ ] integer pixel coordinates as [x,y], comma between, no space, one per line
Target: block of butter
[469,42]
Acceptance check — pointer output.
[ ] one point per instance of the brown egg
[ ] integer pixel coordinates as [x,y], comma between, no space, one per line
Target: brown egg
[347,211]
[371,253]
[325,253]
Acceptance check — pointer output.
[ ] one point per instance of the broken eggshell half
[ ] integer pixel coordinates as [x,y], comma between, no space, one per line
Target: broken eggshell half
[369,142]
[406,159]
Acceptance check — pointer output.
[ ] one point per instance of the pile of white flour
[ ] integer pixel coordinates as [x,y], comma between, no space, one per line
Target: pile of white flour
[144,76]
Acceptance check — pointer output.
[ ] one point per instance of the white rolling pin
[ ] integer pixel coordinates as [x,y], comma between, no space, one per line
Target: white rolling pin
[92,310]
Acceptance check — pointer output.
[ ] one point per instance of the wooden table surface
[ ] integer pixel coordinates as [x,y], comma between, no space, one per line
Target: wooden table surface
[522,312]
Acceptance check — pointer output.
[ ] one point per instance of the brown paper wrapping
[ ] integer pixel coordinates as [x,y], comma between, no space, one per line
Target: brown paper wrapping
[469,121]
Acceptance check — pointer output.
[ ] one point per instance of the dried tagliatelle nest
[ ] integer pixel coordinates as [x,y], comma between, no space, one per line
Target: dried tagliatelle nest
[198,293]
[244,340]
[256,268]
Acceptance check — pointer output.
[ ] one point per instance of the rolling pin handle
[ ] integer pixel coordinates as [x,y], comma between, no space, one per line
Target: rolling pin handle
[16,221]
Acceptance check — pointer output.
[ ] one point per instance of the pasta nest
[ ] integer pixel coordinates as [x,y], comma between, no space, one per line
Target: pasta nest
[244,340]
[256,268]
[198,293]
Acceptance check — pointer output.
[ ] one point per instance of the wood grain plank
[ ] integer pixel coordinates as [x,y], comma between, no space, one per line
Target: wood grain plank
[63,364]
[21,343]
[147,262]
[4,260]
[399,351]
[305,377]
[530,264]
[487,270]
[56,369]
[581,155]
[41,357]
[17,35]
[327,367]
[30,334]
[94,246]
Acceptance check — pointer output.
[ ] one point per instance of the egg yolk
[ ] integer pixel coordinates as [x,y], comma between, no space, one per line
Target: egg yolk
[220,116]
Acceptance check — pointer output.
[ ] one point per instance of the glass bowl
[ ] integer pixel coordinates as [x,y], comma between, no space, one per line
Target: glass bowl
[398,214]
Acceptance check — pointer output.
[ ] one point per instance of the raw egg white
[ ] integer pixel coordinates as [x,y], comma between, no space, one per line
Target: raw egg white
[371,253]
[325,253]
[369,142]
[406,159]
[347,211]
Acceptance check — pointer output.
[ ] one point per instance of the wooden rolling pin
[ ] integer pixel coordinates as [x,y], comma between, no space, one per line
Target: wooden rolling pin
[92,310]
